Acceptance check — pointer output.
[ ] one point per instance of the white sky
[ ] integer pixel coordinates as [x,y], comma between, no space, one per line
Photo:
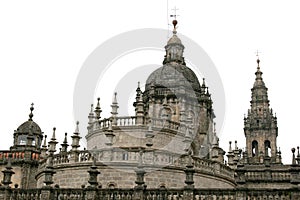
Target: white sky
[43,45]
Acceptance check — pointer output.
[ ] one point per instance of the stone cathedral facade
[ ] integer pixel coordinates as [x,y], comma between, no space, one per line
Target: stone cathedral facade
[168,150]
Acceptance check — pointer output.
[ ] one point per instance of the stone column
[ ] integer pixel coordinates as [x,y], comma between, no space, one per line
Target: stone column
[93,173]
[140,183]
[188,193]
[7,173]
[49,172]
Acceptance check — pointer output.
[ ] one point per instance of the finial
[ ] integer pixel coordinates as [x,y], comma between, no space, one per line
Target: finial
[77,127]
[203,84]
[45,142]
[53,135]
[31,115]
[230,148]
[293,158]
[115,97]
[65,140]
[174,22]
[92,107]
[258,60]
[138,89]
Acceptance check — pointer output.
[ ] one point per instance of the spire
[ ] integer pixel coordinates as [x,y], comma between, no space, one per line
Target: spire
[75,142]
[31,114]
[260,121]
[215,137]
[52,143]
[91,116]
[203,87]
[258,73]
[98,109]
[114,109]
[44,148]
[139,106]
[259,97]
[65,145]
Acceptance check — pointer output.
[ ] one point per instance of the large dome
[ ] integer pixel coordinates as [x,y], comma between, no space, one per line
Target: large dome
[173,76]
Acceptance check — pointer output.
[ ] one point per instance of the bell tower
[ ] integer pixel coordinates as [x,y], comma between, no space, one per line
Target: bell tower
[260,124]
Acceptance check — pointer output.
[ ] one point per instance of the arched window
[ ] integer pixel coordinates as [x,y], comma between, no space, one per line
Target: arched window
[112,185]
[22,139]
[125,156]
[254,148]
[166,113]
[268,148]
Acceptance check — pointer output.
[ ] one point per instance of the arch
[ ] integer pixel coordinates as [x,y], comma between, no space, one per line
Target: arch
[112,185]
[268,148]
[254,148]
[162,186]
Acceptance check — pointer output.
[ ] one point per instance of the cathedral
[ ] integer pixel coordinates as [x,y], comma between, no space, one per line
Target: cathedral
[168,150]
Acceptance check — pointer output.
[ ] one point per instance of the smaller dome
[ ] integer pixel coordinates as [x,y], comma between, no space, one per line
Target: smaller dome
[29,124]
[174,40]
[25,127]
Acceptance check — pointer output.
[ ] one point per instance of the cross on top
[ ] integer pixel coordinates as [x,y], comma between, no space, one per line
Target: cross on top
[258,60]
[175,12]
[257,53]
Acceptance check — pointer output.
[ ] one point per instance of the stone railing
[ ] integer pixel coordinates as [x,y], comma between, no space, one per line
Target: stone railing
[104,123]
[163,158]
[17,155]
[209,167]
[168,124]
[263,175]
[138,194]
[131,121]
[126,121]
[65,157]
[120,121]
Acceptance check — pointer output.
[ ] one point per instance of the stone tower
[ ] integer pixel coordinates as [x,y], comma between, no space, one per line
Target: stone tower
[173,93]
[260,125]
[26,151]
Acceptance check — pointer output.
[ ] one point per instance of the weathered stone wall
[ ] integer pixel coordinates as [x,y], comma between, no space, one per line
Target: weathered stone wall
[121,175]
